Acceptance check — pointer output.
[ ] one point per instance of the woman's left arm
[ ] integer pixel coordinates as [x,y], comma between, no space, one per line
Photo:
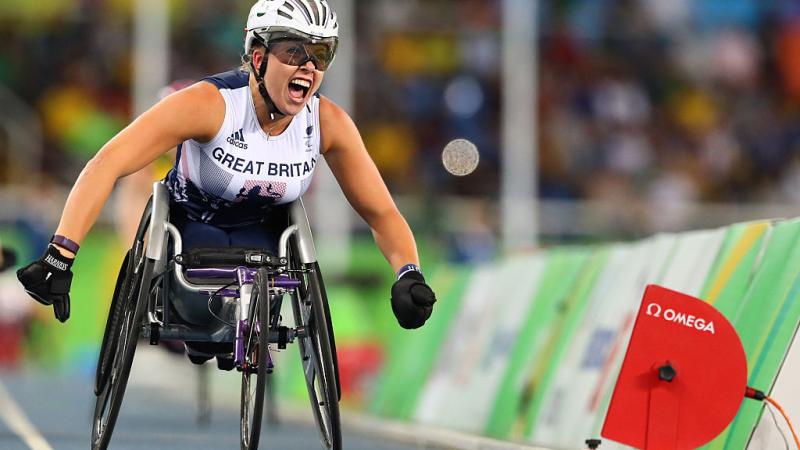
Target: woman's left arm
[412,299]
[363,186]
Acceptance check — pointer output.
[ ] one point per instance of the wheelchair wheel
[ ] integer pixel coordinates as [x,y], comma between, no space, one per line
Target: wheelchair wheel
[256,362]
[317,352]
[111,333]
[119,340]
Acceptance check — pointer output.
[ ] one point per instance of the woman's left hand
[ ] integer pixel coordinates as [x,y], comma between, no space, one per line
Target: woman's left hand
[412,300]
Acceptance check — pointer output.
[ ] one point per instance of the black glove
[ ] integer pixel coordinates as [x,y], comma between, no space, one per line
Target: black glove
[412,300]
[48,279]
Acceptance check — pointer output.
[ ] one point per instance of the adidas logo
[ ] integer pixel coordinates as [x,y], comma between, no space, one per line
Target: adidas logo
[237,139]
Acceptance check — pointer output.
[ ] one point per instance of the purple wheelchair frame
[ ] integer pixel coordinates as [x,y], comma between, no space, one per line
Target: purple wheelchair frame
[244,276]
[162,233]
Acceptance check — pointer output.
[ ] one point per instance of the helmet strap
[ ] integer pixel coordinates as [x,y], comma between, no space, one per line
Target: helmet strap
[272,109]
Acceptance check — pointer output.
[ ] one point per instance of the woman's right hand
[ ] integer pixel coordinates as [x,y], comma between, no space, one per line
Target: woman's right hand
[48,280]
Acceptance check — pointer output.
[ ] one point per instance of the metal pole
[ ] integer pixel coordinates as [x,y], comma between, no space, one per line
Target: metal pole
[150,52]
[518,201]
[331,214]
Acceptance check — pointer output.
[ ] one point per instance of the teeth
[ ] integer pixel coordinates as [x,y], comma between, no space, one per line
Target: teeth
[303,83]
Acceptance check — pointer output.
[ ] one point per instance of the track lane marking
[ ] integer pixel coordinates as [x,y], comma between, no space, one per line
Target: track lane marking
[17,422]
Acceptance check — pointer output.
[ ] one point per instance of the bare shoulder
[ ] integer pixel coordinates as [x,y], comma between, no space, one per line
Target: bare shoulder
[206,90]
[330,111]
[336,125]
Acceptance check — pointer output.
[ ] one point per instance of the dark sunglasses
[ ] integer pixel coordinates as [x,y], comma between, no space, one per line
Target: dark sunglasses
[296,52]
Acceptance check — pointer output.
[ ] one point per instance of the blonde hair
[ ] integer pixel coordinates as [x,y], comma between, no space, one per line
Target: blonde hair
[246,66]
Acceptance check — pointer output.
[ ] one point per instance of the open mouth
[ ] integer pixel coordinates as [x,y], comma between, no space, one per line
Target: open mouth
[298,88]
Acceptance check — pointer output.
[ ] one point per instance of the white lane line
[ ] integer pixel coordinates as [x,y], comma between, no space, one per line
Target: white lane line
[16,420]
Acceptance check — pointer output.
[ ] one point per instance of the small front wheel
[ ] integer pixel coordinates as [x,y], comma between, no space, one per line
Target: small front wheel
[256,361]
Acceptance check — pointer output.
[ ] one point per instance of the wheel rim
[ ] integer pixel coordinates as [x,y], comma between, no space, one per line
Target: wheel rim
[315,382]
[249,385]
[110,334]
[324,403]
[110,396]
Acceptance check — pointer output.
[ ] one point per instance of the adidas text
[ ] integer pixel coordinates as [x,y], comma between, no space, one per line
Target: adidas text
[237,139]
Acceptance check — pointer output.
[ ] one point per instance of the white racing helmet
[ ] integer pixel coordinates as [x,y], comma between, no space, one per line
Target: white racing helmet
[312,19]
[269,20]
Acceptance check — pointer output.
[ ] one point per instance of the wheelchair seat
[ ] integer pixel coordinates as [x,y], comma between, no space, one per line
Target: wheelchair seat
[225,257]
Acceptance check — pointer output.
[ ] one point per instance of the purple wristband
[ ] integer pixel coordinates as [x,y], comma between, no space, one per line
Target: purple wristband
[66,243]
[408,268]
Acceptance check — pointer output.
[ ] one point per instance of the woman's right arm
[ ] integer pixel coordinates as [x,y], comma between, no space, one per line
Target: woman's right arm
[196,112]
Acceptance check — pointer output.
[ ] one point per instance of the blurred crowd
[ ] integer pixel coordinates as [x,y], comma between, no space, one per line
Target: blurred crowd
[640,101]
[664,103]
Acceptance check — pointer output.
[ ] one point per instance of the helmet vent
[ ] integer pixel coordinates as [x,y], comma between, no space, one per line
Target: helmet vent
[315,10]
[304,10]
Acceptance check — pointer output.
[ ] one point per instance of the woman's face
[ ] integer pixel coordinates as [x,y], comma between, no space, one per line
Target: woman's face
[290,86]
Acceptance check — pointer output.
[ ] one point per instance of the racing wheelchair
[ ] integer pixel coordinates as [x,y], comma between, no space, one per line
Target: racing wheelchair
[160,285]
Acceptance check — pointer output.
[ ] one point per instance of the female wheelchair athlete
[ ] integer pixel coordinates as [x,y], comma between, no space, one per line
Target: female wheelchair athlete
[158,280]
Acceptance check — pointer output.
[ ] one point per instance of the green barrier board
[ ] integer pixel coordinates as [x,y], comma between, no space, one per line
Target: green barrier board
[464,332]
[412,354]
[734,266]
[460,390]
[570,313]
[562,270]
[567,399]
[692,260]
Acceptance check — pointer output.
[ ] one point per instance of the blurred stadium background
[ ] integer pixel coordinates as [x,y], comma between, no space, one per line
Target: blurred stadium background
[645,116]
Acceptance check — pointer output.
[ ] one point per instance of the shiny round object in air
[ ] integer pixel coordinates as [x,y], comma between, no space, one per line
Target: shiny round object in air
[460,157]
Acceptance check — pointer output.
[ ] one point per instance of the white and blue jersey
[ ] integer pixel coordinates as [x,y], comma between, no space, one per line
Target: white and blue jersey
[236,177]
